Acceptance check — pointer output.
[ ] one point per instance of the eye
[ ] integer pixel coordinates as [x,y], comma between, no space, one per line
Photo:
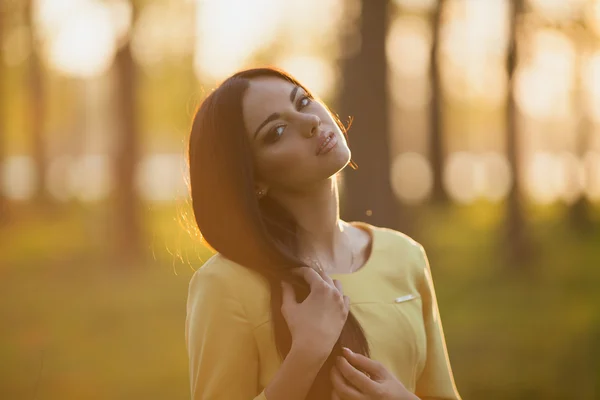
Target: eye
[303,101]
[274,134]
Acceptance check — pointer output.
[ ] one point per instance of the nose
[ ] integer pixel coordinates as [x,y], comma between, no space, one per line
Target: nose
[312,125]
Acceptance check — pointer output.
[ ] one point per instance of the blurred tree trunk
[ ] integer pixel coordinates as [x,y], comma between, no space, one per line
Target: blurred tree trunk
[37,111]
[579,212]
[436,138]
[367,191]
[128,235]
[518,242]
[3,135]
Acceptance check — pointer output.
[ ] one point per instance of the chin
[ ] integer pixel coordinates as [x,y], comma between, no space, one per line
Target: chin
[338,160]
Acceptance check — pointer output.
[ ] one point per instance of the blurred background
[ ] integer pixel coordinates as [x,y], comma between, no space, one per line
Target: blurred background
[476,130]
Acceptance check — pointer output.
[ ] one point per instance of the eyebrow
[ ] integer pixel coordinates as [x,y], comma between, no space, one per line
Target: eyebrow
[274,116]
[293,94]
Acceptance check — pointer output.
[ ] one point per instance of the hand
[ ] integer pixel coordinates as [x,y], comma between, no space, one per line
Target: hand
[316,323]
[356,377]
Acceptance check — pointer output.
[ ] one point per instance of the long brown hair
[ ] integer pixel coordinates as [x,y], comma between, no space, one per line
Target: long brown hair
[257,233]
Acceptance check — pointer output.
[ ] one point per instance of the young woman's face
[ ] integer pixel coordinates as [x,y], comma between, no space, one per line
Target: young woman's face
[286,127]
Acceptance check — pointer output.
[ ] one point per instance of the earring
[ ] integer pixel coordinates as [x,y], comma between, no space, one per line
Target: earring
[260,193]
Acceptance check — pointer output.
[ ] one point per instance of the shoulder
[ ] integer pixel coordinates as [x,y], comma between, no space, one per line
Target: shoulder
[227,275]
[402,250]
[399,238]
[221,279]
[398,243]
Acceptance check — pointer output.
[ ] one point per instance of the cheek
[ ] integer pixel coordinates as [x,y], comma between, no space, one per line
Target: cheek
[286,163]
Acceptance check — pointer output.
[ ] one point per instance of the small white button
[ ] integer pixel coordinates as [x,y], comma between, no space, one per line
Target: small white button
[404,298]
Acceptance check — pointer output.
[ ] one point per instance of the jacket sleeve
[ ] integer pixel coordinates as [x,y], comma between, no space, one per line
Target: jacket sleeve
[436,382]
[222,352]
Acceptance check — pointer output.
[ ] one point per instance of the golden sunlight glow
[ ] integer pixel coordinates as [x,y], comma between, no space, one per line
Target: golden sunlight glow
[413,94]
[592,79]
[314,72]
[541,178]
[473,50]
[592,168]
[161,178]
[497,176]
[544,83]
[17,46]
[412,178]
[557,10]
[315,24]
[408,46]
[92,181]
[417,5]
[80,36]
[88,178]
[592,16]
[571,177]
[230,35]
[59,178]
[50,14]
[462,177]
[18,177]
[230,31]
[121,15]
[561,176]
[408,50]
[164,31]
[471,176]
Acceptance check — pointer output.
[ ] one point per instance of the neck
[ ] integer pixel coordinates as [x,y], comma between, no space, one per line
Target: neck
[321,233]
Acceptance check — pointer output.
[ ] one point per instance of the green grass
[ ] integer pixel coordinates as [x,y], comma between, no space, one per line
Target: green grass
[76,325]
[517,331]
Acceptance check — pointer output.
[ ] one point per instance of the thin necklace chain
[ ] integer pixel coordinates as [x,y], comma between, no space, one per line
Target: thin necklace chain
[319,266]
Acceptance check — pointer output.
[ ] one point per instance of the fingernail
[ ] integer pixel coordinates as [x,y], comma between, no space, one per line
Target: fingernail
[348,351]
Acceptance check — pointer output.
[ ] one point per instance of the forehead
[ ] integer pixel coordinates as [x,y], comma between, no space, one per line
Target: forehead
[264,96]
[267,88]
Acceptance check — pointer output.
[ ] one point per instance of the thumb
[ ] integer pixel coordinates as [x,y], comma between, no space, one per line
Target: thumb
[288,295]
[365,364]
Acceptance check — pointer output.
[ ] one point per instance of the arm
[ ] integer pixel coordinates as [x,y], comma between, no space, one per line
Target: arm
[437,381]
[295,377]
[223,357]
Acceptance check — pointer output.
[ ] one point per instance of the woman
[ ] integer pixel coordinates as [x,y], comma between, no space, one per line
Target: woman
[298,304]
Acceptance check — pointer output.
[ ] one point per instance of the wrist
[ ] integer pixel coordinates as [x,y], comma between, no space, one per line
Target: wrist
[308,351]
[411,396]
[403,394]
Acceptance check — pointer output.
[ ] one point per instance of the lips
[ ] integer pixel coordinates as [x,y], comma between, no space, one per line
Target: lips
[323,141]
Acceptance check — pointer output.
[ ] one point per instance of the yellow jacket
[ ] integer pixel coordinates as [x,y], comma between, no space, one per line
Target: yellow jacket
[231,346]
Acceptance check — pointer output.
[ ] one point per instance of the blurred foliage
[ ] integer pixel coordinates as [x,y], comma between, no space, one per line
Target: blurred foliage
[76,326]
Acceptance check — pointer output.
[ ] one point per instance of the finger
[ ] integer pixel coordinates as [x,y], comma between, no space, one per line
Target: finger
[311,276]
[324,276]
[362,363]
[354,376]
[341,387]
[338,285]
[328,279]
[287,293]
